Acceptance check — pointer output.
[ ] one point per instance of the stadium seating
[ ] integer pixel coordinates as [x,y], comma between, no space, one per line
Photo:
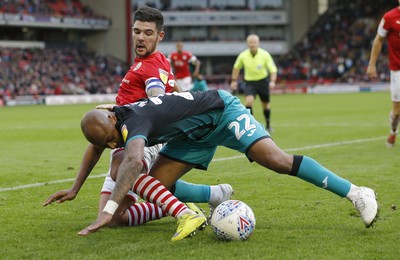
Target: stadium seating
[70,8]
[53,71]
[335,49]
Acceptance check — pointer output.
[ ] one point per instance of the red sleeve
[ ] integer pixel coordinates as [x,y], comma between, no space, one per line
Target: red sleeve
[387,21]
[131,89]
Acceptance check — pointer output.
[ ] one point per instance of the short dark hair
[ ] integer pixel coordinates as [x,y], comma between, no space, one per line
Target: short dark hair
[149,14]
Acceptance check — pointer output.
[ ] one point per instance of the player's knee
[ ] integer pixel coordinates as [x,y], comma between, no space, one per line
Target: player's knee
[396,112]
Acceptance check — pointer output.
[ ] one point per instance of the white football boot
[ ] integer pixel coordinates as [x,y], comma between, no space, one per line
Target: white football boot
[364,201]
[224,194]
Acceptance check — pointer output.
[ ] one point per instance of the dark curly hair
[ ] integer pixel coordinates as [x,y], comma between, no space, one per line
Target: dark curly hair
[149,14]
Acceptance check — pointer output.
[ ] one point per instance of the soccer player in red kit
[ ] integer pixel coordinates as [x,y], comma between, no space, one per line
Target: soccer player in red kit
[153,72]
[389,28]
[180,60]
[149,76]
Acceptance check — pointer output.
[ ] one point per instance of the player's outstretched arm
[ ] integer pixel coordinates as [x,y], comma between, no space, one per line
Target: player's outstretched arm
[375,51]
[128,172]
[89,161]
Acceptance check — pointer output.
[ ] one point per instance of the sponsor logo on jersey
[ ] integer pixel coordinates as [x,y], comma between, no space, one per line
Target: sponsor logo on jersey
[125,80]
[124,132]
[163,75]
[138,66]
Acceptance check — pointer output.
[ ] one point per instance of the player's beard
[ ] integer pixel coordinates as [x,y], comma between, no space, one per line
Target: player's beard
[149,49]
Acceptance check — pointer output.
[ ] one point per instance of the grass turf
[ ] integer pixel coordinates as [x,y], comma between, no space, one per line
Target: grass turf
[295,220]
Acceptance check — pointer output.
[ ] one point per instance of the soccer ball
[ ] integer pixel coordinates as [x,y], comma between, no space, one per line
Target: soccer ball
[233,220]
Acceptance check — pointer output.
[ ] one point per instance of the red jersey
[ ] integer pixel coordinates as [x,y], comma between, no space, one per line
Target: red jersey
[390,28]
[133,85]
[181,62]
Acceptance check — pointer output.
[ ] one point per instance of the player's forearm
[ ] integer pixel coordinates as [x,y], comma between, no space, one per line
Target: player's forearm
[235,74]
[273,77]
[376,49]
[127,174]
[176,87]
[89,161]
[197,68]
[129,169]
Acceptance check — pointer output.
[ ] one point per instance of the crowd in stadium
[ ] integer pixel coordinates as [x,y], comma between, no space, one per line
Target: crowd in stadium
[343,36]
[165,5]
[70,8]
[57,71]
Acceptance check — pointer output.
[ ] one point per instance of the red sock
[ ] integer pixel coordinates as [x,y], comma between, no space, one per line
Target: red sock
[153,191]
[140,213]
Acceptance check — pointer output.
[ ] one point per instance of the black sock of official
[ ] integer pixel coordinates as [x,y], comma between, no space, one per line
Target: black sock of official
[267,115]
[251,109]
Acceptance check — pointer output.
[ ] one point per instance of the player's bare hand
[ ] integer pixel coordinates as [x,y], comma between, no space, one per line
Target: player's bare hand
[234,85]
[60,197]
[371,71]
[108,107]
[102,220]
[195,74]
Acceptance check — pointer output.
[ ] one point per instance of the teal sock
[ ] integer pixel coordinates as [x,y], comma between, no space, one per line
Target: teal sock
[189,192]
[313,172]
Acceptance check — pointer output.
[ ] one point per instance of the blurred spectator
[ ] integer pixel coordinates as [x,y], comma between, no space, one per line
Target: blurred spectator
[57,71]
[70,8]
[337,47]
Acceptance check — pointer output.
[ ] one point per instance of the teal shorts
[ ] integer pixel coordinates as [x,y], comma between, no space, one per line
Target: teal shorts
[235,128]
[199,85]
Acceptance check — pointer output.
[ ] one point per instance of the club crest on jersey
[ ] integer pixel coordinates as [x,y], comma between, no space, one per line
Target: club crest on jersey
[124,132]
[138,66]
[163,75]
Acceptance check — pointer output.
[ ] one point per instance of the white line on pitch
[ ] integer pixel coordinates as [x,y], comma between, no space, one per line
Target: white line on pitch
[214,160]
[38,184]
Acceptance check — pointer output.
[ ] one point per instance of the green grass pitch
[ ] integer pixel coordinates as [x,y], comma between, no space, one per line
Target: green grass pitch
[41,149]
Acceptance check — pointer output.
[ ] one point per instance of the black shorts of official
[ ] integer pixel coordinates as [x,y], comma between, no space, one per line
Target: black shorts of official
[259,87]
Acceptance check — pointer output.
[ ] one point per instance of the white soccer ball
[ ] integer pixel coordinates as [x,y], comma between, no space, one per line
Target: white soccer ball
[233,220]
